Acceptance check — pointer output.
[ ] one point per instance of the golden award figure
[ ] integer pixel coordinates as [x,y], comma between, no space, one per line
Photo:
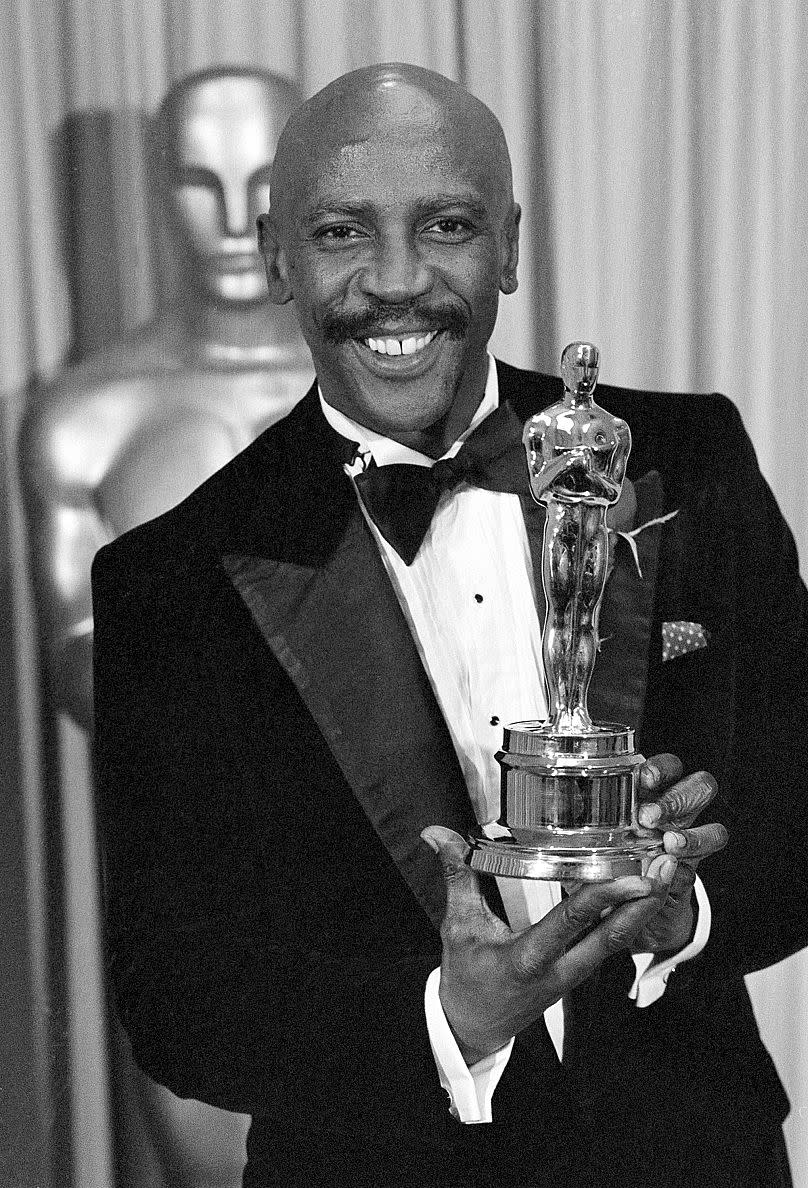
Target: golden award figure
[569,785]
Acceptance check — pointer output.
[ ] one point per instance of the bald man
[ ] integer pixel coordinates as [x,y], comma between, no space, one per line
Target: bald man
[302,674]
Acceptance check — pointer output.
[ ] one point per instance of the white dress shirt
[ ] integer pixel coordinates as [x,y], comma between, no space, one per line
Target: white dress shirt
[469,601]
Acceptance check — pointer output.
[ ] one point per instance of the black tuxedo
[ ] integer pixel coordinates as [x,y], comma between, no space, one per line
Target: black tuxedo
[268,749]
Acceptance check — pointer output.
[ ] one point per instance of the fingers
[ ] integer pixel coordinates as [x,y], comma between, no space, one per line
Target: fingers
[545,942]
[657,773]
[674,879]
[672,927]
[681,884]
[615,933]
[450,847]
[620,928]
[676,805]
[464,900]
[695,843]
[662,870]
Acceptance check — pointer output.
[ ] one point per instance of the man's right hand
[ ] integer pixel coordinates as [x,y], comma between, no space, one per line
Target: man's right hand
[495,982]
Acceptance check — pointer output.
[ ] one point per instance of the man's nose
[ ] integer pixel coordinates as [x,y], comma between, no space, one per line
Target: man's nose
[397,272]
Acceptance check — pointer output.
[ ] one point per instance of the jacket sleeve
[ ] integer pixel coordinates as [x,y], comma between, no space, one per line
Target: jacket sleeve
[764,900]
[740,707]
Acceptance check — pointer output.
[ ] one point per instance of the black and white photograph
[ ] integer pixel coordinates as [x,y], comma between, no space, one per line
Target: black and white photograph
[404,502]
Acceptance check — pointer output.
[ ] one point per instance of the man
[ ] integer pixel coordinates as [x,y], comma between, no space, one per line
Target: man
[291,688]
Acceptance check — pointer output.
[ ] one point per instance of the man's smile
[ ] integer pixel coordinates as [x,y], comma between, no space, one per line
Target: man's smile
[400,355]
[406,345]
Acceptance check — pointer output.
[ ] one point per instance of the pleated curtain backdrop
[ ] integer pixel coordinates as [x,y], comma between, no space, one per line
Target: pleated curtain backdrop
[659,156]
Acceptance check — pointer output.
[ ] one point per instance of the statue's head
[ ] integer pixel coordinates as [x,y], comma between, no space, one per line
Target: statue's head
[216,134]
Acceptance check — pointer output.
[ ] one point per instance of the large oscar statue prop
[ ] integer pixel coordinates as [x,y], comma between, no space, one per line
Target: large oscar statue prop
[126,434]
[569,785]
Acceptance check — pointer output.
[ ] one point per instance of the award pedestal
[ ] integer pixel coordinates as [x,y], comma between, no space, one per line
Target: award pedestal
[569,801]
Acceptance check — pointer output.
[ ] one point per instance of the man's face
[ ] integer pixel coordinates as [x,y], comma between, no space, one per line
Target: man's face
[220,155]
[395,251]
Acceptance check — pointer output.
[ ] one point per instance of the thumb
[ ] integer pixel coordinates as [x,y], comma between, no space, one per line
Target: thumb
[463,895]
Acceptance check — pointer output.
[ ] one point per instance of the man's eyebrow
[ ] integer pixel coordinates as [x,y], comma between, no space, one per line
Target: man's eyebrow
[427,205]
[469,203]
[336,206]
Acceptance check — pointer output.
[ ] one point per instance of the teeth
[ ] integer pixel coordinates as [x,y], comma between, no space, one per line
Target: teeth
[400,346]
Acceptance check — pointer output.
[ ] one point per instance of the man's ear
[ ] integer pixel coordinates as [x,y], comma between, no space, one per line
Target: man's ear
[280,291]
[508,281]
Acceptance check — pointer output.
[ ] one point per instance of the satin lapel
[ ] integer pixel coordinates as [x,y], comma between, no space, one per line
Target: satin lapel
[338,631]
[617,692]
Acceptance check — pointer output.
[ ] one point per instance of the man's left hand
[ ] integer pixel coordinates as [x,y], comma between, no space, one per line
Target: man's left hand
[670,803]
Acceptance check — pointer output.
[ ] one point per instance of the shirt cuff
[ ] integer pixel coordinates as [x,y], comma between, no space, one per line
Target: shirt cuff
[470,1089]
[652,975]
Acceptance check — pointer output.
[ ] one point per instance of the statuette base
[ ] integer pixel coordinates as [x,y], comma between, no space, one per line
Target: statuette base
[596,865]
[569,801]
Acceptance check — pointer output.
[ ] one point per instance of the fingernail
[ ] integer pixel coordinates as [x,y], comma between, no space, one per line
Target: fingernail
[429,841]
[667,870]
[679,840]
[649,815]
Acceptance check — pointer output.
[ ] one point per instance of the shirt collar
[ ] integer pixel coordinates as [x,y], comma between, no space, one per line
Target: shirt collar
[383,450]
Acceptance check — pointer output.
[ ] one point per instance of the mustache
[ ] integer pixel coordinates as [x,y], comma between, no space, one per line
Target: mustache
[376,319]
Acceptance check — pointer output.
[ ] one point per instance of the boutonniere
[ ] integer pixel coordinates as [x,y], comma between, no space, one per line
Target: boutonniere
[630,535]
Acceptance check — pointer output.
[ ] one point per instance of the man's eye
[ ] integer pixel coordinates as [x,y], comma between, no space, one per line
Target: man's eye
[450,228]
[339,233]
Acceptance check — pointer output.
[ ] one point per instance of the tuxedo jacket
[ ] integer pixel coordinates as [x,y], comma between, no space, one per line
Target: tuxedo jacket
[268,749]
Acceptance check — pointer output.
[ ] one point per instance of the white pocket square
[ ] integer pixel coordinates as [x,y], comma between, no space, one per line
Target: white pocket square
[681,637]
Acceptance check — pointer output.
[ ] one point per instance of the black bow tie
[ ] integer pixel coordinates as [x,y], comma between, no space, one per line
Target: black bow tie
[401,498]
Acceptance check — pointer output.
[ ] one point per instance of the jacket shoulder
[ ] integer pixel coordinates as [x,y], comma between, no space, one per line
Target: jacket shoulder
[216,513]
[535,388]
[686,430]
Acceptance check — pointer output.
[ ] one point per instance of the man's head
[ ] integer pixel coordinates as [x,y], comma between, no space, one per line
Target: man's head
[393,228]
[216,137]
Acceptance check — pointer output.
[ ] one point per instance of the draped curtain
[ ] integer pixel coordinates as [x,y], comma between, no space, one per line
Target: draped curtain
[658,156]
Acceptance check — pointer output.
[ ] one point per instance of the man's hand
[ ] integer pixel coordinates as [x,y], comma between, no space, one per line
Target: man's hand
[672,804]
[495,982]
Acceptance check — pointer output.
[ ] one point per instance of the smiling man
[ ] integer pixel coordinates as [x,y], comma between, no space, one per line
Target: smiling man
[302,674]
[393,227]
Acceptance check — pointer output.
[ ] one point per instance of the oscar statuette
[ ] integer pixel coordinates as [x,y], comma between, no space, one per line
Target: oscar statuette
[569,785]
